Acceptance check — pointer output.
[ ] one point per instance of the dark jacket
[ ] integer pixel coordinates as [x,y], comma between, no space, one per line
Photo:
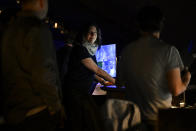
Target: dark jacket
[29,67]
[63,55]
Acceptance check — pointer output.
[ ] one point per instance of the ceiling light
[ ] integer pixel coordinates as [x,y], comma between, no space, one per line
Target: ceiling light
[55,25]
[18,1]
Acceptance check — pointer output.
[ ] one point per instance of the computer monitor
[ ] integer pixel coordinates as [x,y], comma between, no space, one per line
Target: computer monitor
[106,58]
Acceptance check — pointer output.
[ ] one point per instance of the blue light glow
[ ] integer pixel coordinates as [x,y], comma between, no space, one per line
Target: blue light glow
[106,58]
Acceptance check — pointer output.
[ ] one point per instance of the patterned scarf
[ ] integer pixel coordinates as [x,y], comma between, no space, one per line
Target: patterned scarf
[92,48]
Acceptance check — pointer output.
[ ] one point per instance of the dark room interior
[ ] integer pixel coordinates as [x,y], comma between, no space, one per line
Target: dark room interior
[116,18]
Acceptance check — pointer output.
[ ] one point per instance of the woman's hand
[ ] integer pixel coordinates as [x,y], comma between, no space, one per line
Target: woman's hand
[107,83]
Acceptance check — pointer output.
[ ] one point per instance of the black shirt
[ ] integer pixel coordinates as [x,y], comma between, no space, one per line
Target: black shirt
[78,76]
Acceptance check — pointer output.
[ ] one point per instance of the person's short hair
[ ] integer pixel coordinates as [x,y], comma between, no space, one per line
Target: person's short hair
[150,19]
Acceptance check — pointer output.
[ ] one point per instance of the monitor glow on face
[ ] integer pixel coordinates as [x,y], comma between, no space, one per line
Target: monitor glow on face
[106,58]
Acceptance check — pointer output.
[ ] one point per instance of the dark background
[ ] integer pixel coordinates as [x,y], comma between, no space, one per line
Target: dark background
[116,19]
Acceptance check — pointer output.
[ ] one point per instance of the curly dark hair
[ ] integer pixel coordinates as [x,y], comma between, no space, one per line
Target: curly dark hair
[150,19]
[84,31]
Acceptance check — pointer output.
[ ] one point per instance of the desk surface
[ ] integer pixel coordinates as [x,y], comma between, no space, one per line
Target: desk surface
[99,91]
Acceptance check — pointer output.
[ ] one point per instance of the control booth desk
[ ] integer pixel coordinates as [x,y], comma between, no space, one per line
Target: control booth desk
[102,93]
